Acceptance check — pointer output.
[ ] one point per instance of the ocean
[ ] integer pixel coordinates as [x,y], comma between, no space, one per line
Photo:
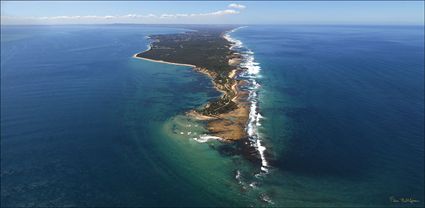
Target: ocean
[339,116]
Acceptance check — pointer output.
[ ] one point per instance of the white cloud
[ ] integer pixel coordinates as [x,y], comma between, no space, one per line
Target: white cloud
[216,13]
[128,18]
[223,12]
[236,6]
[88,17]
[167,16]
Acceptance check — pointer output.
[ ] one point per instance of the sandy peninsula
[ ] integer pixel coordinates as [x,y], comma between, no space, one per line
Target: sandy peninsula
[227,116]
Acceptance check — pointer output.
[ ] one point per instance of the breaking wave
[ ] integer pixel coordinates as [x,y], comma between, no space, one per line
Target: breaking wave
[251,74]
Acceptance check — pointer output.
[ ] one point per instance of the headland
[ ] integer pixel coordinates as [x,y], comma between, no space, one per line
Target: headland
[207,50]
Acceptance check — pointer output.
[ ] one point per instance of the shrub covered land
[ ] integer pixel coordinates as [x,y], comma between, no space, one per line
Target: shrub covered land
[207,49]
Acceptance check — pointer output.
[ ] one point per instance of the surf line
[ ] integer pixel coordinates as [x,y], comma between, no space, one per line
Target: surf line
[251,75]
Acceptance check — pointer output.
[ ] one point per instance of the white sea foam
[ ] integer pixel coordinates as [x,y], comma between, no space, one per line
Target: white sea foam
[238,174]
[251,74]
[205,138]
[261,149]
[253,185]
[252,67]
[148,47]
[235,43]
[266,198]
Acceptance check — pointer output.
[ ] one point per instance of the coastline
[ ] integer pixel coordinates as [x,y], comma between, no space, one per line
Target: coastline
[161,61]
[231,125]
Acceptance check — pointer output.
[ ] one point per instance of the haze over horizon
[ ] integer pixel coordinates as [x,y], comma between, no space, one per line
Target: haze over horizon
[219,12]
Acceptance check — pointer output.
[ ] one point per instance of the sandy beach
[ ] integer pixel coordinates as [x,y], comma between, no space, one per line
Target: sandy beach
[231,125]
[161,61]
[228,126]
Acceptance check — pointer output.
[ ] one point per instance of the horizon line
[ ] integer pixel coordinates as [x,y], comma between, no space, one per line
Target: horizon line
[239,24]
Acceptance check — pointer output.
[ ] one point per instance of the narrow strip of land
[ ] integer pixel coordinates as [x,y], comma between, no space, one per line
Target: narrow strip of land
[208,52]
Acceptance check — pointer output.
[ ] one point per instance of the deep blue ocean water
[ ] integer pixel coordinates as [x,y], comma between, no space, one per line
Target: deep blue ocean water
[82,123]
[344,109]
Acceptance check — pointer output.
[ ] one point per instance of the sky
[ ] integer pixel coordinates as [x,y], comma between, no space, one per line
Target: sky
[213,12]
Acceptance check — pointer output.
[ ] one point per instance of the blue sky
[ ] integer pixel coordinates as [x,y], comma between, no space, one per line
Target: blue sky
[194,12]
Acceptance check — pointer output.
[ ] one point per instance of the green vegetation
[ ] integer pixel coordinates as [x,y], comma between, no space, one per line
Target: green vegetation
[205,48]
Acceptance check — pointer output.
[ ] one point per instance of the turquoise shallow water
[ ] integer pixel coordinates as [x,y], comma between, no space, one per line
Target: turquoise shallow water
[84,124]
